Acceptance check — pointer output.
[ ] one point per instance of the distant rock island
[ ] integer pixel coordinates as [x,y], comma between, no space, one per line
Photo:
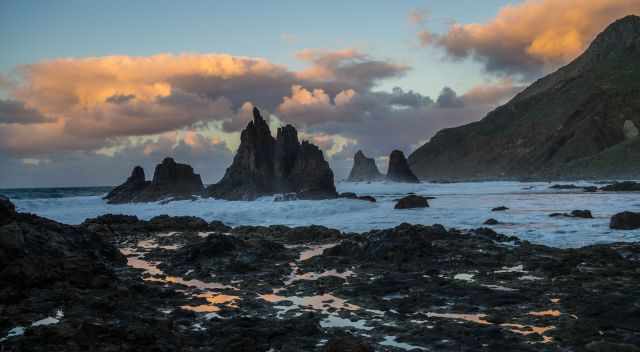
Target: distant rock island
[579,122]
[170,180]
[265,165]
[364,169]
[399,170]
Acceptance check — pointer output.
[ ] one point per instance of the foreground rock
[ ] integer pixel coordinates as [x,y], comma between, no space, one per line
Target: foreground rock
[625,221]
[364,169]
[261,288]
[171,180]
[266,166]
[412,201]
[399,170]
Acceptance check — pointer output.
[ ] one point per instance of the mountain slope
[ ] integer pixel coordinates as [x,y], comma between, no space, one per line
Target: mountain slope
[555,126]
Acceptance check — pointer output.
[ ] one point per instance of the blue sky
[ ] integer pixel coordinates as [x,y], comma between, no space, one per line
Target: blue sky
[31,31]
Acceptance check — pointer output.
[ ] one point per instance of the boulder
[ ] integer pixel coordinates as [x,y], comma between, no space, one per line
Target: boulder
[412,201]
[364,169]
[265,166]
[399,170]
[625,221]
[127,191]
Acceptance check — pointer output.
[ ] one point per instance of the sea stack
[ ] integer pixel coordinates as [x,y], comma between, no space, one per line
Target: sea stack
[133,186]
[399,170]
[364,169]
[265,166]
[170,180]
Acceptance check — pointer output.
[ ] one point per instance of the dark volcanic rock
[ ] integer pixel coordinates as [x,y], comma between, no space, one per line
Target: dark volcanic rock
[627,186]
[170,180]
[311,176]
[116,225]
[412,201]
[491,221]
[227,254]
[580,121]
[399,170]
[351,195]
[36,252]
[127,191]
[625,221]
[500,208]
[266,166]
[7,210]
[583,214]
[364,169]
[347,343]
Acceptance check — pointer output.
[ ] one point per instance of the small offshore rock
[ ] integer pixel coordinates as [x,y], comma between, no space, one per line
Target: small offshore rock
[491,221]
[500,208]
[626,186]
[625,221]
[412,201]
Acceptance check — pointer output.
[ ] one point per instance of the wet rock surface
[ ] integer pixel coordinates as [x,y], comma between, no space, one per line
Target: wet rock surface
[364,169]
[191,285]
[264,165]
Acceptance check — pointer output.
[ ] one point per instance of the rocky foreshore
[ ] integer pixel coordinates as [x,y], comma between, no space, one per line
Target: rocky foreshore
[180,283]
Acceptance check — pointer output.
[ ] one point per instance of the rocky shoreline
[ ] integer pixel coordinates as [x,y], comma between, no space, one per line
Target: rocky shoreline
[179,283]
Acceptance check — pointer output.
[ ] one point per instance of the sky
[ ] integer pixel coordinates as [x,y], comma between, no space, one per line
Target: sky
[90,89]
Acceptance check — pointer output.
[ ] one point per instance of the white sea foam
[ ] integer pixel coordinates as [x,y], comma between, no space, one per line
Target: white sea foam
[461,205]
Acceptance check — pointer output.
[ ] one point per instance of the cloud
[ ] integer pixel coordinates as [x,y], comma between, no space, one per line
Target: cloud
[140,109]
[531,37]
[13,111]
[448,98]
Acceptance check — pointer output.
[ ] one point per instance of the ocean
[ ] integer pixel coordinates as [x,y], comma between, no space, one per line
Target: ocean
[460,205]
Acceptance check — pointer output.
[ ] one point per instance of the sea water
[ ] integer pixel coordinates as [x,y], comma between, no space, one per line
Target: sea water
[460,205]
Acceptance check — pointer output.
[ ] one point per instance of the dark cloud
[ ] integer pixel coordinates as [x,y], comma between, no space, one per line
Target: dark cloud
[448,98]
[13,111]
